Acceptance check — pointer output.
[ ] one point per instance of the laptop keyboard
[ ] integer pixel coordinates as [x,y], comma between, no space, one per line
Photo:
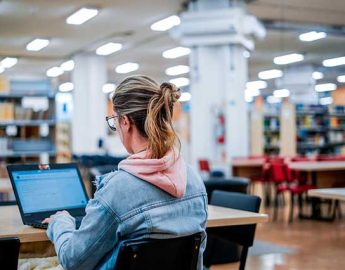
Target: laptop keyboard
[39,225]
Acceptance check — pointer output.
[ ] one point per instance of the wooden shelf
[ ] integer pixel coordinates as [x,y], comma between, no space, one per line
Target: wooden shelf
[28,94]
[26,153]
[28,122]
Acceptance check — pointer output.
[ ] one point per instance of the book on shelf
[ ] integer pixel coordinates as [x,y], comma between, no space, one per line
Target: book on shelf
[4,85]
[6,111]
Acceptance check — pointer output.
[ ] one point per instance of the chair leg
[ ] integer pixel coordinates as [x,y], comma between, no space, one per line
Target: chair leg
[291,207]
[244,254]
[300,204]
[275,210]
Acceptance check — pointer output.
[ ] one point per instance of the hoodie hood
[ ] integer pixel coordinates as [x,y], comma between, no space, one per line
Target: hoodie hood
[168,173]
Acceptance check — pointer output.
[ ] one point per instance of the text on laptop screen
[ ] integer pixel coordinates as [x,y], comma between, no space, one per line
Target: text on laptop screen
[47,190]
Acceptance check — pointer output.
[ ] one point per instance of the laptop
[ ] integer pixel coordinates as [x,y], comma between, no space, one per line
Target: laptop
[41,190]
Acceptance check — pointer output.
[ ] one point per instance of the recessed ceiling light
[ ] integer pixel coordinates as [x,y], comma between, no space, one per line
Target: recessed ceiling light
[341,78]
[9,62]
[317,75]
[280,93]
[37,44]
[68,65]
[246,54]
[325,87]
[176,52]
[177,70]
[333,62]
[108,48]
[273,99]
[108,88]
[326,100]
[126,68]
[81,16]
[248,98]
[311,36]
[288,59]
[185,97]
[270,74]
[252,92]
[66,87]
[54,72]
[256,85]
[166,24]
[180,82]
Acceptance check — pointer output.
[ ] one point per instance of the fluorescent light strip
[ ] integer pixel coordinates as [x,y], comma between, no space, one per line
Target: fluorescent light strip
[270,74]
[273,99]
[108,48]
[127,67]
[180,82]
[333,62]
[68,65]
[325,87]
[81,16]
[9,62]
[317,75]
[108,88]
[326,100]
[252,92]
[66,87]
[256,85]
[312,36]
[177,70]
[54,72]
[37,44]
[176,52]
[166,24]
[341,78]
[288,59]
[185,97]
[281,93]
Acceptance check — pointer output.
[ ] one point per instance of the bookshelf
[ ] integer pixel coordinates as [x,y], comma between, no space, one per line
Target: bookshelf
[271,123]
[27,124]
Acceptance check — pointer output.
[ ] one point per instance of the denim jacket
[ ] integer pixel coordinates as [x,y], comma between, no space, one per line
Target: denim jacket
[125,208]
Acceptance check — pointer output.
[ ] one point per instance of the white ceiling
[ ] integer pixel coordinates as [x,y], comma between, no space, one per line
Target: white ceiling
[129,22]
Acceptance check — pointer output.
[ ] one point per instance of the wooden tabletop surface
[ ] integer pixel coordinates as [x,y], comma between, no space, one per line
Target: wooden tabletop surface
[12,225]
[328,193]
[317,166]
[248,162]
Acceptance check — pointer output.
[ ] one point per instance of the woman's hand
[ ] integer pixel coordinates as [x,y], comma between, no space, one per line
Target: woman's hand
[47,220]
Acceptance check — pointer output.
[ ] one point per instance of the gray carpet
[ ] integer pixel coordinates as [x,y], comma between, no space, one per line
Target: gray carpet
[261,248]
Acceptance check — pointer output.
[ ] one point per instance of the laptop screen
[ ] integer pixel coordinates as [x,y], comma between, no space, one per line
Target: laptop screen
[49,190]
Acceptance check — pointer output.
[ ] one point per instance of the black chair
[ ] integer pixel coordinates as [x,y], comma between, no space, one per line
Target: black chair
[234,184]
[157,254]
[235,239]
[9,252]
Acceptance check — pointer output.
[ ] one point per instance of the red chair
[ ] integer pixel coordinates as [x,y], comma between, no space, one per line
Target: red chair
[204,166]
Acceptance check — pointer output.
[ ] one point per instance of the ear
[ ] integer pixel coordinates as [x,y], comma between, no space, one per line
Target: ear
[126,123]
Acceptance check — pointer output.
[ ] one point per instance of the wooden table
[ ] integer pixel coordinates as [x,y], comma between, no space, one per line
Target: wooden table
[330,172]
[246,167]
[12,225]
[328,193]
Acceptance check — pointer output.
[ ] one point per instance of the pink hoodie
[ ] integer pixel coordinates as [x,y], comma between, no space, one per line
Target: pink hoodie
[169,173]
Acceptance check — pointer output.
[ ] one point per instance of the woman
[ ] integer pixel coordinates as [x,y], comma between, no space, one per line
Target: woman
[154,194]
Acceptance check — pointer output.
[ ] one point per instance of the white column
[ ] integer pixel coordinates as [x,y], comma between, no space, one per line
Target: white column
[218,32]
[88,121]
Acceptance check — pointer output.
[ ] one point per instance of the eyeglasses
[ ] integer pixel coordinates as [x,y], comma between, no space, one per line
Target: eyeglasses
[111,122]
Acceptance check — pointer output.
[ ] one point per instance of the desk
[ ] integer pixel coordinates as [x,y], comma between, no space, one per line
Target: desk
[331,171]
[328,193]
[11,223]
[245,167]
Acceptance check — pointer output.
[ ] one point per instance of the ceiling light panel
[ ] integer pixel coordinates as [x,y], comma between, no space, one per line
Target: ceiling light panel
[166,24]
[288,59]
[325,87]
[108,48]
[176,52]
[37,44]
[270,74]
[9,62]
[312,36]
[127,67]
[177,70]
[180,82]
[81,16]
[333,62]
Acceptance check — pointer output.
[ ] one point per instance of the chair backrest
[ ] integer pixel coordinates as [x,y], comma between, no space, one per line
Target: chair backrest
[242,234]
[234,184]
[278,172]
[155,254]
[204,165]
[9,252]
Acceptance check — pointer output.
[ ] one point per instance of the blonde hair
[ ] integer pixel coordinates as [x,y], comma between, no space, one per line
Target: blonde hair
[150,107]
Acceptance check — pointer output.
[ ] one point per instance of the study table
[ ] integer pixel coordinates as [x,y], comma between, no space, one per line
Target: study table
[328,193]
[11,226]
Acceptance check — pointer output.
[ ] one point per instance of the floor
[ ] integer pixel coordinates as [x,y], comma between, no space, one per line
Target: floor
[319,245]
